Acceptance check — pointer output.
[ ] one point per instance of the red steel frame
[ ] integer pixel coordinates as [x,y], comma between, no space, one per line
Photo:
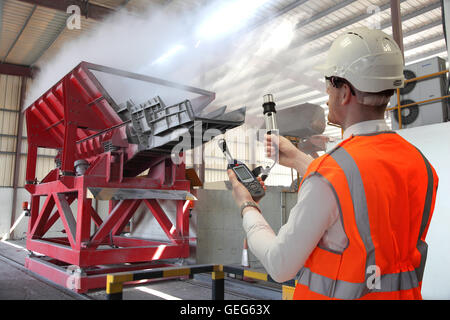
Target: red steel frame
[75,116]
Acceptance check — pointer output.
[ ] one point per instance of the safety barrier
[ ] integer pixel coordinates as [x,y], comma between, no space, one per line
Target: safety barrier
[287,286]
[115,281]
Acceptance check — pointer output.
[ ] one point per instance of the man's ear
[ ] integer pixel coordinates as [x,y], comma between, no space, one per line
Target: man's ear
[346,94]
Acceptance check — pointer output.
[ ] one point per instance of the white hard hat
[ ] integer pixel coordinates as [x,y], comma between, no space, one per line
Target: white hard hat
[369,59]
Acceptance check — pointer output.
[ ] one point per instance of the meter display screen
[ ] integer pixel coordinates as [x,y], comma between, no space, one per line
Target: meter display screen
[243,173]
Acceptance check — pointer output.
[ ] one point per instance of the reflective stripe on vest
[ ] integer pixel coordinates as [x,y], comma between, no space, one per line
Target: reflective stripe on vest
[385,282]
[421,245]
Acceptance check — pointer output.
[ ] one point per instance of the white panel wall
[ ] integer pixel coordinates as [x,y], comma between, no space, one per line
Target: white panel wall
[10,87]
[433,141]
[9,106]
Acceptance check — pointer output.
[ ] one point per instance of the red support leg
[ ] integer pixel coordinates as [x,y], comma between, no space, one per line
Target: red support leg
[70,131]
[125,218]
[94,215]
[122,208]
[55,216]
[31,163]
[162,219]
[182,220]
[39,225]
[67,218]
[34,213]
[83,225]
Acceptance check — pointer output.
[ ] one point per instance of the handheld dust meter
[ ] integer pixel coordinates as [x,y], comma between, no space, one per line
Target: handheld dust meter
[243,173]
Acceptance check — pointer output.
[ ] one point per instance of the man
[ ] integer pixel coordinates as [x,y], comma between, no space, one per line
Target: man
[358,229]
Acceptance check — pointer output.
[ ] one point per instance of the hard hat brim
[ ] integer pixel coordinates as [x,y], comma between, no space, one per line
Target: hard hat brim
[325,69]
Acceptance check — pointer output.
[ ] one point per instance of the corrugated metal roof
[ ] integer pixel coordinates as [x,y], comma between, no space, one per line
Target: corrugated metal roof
[14,16]
[41,30]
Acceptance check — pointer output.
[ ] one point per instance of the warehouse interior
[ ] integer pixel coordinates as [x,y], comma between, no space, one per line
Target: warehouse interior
[213,62]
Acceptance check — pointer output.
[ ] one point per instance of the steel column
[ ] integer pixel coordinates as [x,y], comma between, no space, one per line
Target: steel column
[83,224]
[446,8]
[396,17]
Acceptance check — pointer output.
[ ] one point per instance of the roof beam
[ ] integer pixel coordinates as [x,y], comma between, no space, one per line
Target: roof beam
[418,56]
[407,34]
[344,24]
[424,42]
[274,15]
[88,10]
[16,70]
[323,13]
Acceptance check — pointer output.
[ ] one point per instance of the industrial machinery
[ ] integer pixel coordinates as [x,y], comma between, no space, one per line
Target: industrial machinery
[111,148]
[422,90]
[301,121]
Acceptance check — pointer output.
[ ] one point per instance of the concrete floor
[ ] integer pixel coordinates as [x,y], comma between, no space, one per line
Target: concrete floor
[17,283]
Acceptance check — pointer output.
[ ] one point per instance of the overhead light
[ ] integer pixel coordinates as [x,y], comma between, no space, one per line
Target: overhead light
[229,18]
[173,51]
[279,36]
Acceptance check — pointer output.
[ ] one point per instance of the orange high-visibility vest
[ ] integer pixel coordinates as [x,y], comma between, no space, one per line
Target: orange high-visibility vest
[385,189]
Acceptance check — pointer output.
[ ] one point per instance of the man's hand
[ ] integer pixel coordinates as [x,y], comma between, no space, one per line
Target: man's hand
[288,154]
[240,193]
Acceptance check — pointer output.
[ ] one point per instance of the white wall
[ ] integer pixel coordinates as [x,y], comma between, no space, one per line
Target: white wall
[5,209]
[434,142]
[22,227]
